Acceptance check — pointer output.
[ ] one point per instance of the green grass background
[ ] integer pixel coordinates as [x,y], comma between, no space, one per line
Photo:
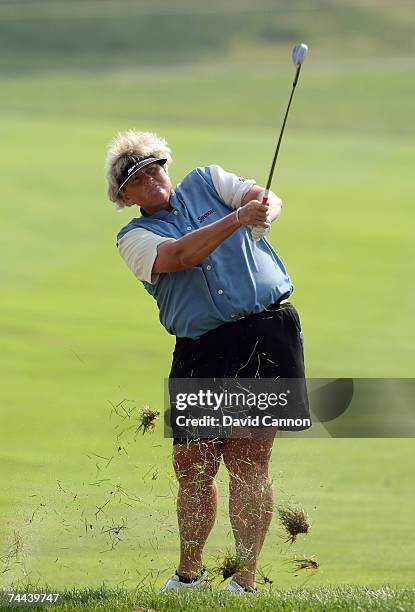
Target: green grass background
[79,332]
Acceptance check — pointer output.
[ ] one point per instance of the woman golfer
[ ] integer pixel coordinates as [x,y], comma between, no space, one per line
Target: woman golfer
[199,249]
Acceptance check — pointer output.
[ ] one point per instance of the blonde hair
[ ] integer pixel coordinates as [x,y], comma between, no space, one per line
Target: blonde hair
[119,151]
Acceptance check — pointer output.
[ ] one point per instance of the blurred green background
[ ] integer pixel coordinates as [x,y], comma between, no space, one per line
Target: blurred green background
[79,333]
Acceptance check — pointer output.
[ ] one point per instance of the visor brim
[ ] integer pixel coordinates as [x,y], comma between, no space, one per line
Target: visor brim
[140,166]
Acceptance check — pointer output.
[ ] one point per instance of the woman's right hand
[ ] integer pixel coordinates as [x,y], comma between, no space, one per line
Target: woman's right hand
[254,213]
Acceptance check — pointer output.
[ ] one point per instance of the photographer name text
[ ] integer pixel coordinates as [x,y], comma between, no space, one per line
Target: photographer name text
[224,420]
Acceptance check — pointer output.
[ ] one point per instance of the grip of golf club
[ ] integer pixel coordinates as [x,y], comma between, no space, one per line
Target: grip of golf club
[265,198]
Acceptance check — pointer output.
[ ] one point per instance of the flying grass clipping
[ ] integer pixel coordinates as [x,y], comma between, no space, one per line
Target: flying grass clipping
[294,520]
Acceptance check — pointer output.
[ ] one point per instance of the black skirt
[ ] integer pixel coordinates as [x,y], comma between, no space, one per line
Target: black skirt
[267,345]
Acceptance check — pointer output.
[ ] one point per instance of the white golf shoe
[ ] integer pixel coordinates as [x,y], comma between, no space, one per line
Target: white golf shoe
[237,589]
[173,584]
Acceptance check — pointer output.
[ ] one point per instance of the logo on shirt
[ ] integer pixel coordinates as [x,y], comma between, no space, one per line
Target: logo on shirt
[206,214]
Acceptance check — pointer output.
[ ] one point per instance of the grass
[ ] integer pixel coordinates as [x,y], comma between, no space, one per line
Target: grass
[353,598]
[43,35]
[294,520]
[78,332]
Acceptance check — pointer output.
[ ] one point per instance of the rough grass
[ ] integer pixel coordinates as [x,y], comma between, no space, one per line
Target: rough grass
[347,597]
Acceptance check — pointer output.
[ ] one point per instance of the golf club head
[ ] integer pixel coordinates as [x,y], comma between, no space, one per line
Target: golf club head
[299,53]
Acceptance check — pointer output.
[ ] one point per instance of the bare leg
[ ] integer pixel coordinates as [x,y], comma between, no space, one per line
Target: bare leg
[251,498]
[196,465]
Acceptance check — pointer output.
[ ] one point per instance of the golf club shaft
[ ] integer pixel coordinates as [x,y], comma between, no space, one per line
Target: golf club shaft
[274,161]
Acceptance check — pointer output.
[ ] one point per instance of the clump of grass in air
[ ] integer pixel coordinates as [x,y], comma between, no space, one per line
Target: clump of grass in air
[306,563]
[295,520]
[147,419]
[232,564]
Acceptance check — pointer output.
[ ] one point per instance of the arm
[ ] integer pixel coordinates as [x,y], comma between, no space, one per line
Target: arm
[236,191]
[175,255]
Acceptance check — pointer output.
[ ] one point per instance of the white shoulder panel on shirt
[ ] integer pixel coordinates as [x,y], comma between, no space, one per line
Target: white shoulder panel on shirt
[231,188]
[138,248]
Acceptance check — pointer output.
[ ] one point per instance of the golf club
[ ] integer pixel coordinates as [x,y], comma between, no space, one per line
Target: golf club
[299,53]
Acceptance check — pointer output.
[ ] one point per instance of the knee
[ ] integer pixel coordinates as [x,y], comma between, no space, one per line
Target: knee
[195,477]
[241,470]
[198,474]
[247,467]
